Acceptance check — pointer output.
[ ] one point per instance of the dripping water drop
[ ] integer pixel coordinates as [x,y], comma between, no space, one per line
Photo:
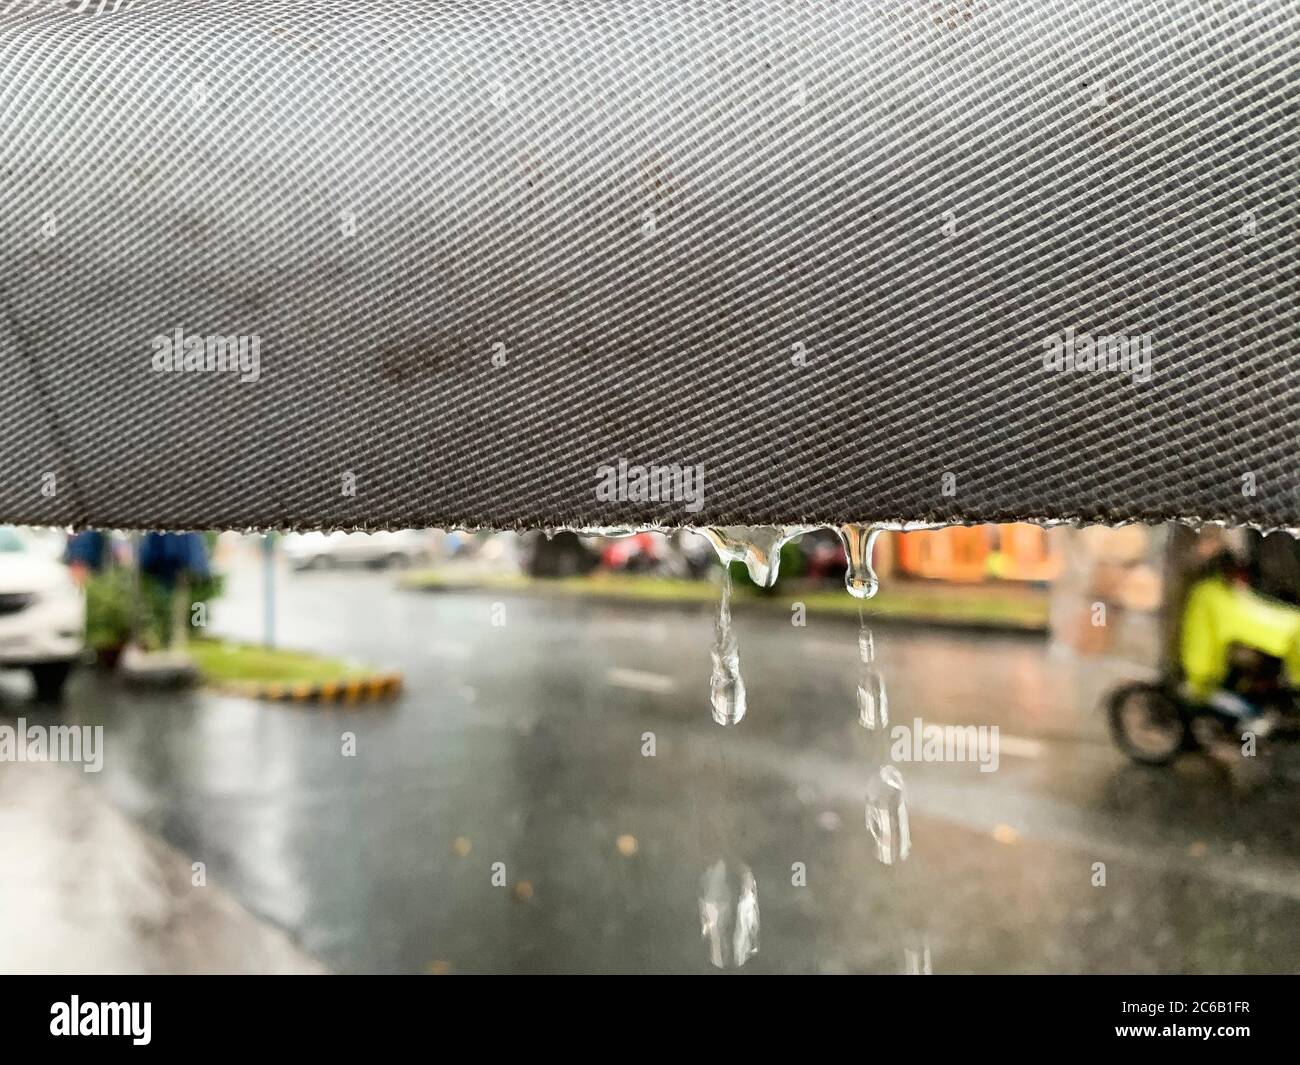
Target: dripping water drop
[859,578]
[887,816]
[916,957]
[726,686]
[757,546]
[729,913]
[872,696]
[873,701]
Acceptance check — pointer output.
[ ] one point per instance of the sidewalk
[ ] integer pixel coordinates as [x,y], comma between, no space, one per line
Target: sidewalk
[83,890]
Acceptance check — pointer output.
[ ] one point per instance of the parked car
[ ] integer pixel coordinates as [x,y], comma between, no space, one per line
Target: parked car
[642,552]
[563,554]
[314,550]
[42,614]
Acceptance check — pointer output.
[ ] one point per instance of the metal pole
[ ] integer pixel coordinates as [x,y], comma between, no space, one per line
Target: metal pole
[137,591]
[268,584]
[181,613]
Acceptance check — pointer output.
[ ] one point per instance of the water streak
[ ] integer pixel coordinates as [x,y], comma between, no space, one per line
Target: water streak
[916,956]
[729,914]
[872,696]
[873,701]
[887,816]
[726,686]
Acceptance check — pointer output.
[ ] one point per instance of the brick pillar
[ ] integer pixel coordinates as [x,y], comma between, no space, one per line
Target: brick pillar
[1108,597]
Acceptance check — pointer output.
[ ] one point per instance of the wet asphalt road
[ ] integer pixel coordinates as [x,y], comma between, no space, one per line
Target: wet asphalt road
[522,744]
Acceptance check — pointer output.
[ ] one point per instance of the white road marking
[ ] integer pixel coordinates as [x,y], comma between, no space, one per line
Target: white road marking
[638,631]
[640,680]
[1018,746]
[826,649]
[451,649]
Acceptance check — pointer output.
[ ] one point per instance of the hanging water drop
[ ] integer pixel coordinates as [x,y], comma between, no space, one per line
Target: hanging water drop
[859,578]
[726,686]
[729,914]
[887,816]
[757,546]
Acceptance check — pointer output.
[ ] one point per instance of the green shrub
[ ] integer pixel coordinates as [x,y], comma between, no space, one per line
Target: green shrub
[111,602]
[110,599]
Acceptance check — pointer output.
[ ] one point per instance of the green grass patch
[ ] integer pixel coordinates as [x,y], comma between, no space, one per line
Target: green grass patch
[999,606]
[221,662]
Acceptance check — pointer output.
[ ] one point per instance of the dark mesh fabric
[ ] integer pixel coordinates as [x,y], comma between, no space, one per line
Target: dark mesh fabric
[814,247]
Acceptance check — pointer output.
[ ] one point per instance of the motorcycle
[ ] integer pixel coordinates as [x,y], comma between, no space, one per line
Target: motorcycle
[1239,655]
[1155,721]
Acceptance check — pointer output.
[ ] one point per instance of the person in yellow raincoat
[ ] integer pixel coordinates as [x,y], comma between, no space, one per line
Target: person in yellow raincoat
[1222,611]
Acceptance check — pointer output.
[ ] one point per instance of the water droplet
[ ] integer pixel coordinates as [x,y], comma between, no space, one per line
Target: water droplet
[859,578]
[726,686]
[887,816]
[873,700]
[757,546]
[729,913]
[916,956]
[866,643]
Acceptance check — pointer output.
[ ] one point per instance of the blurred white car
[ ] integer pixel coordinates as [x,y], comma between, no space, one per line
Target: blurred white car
[42,614]
[410,547]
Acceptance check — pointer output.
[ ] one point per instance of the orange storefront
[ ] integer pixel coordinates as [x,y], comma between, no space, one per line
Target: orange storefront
[978,553]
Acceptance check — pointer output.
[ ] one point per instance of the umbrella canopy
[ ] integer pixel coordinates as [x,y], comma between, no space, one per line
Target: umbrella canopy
[273,263]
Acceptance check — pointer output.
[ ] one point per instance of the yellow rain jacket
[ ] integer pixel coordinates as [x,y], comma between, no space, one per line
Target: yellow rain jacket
[1219,614]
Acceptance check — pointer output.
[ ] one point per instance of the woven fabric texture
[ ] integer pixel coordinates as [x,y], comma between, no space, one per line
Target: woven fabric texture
[822,252]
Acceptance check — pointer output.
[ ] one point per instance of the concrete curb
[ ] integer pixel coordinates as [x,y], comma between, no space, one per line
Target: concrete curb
[351,691]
